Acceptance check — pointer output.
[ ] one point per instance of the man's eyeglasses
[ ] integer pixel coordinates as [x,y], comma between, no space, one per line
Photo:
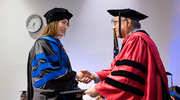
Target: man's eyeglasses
[115,22]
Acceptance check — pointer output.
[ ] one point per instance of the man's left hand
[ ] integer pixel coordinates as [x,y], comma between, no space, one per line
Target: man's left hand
[92,92]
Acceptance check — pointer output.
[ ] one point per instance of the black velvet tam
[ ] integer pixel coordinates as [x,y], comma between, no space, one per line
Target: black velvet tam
[57,14]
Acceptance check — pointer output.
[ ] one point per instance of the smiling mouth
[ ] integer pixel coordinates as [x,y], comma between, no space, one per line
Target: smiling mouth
[63,31]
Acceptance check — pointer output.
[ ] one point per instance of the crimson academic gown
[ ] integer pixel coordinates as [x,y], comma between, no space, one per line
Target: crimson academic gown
[136,73]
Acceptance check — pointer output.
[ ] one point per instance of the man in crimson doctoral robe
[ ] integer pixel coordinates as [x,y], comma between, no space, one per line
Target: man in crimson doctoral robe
[137,72]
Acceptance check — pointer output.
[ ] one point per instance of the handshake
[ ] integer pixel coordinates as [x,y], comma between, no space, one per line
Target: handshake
[85,76]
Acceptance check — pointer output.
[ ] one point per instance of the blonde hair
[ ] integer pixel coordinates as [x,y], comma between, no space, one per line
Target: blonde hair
[50,29]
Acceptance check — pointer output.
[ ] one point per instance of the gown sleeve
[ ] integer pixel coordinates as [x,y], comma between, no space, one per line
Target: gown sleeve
[104,73]
[137,72]
[126,78]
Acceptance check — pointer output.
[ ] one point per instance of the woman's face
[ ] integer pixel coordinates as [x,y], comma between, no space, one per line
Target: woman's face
[61,28]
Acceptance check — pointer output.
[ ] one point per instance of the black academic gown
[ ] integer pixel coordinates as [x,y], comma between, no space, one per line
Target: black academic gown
[49,71]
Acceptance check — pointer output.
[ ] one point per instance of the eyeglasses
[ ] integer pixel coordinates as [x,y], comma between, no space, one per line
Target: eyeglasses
[115,22]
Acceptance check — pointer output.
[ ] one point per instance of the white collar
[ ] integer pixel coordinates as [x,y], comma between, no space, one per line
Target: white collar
[134,30]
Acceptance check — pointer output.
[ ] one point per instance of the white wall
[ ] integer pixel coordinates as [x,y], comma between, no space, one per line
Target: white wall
[89,40]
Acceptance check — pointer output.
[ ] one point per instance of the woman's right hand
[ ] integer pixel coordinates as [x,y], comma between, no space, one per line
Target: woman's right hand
[78,95]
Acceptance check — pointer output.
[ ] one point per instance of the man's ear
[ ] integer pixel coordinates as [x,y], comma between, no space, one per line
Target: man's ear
[128,22]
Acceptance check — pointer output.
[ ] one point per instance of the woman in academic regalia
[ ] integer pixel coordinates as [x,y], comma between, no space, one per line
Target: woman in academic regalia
[49,68]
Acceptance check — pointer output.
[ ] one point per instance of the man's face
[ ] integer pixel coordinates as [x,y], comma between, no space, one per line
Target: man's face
[116,26]
[123,27]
